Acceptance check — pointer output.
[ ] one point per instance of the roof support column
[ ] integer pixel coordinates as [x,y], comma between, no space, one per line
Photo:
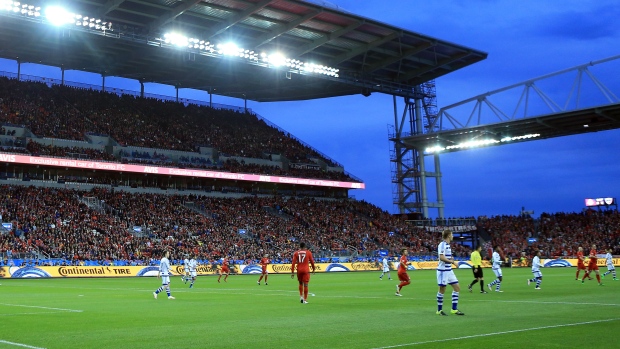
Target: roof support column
[19,70]
[103,82]
[62,76]
[142,88]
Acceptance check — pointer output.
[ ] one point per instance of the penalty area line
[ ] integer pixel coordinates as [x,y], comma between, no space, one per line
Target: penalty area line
[497,333]
[19,344]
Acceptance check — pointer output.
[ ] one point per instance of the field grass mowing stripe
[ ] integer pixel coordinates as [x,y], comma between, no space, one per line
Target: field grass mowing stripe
[497,333]
[19,344]
[41,307]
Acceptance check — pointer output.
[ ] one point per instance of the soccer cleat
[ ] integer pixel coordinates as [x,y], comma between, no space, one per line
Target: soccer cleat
[600,284]
[500,291]
[582,282]
[171,297]
[484,292]
[185,281]
[457,312]
[538,288]
[301,300]
[398,294]
[305,302]
[266,284]
[258,282]
[528,282]
[602,276]
[390,279]
[440,312]
[154,295]
[380,278]
[615,279]
[191,285]
[469,288]
[218,281]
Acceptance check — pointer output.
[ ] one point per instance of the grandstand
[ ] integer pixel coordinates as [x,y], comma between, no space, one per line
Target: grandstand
[107,151]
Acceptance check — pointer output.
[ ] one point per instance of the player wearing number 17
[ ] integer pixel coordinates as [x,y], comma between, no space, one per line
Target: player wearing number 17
[302,259]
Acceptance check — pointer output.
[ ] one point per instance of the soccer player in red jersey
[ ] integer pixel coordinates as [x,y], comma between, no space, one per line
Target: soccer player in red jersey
[580,265]
[301,259]
[224,270]
[263,263]
[402,272]
[592,267]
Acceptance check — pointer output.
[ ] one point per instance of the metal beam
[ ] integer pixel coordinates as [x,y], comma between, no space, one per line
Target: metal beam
[171,16]
[408,53]
[326,38]
[362,48]
[439,64]
[109,6]
[267,37]
[222,27]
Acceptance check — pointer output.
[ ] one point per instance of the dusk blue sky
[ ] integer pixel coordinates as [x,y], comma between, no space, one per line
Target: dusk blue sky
[524,40]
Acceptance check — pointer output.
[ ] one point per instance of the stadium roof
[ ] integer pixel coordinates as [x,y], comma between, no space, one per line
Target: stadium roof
[594,119]
[371,56]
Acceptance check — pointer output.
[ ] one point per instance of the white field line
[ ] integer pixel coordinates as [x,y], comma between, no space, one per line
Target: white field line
[43,312]
[40,307]
[19,345]
[496,333]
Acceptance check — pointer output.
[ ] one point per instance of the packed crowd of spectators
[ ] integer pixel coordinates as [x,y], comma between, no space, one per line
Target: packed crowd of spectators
[38,149]
[556,234]
[69,113]
[59,224]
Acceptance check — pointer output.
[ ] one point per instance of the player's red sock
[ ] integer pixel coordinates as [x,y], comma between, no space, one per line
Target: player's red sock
[584,276]
[225,277]
[218,279]
[577,275]
[305,292]
[266,276]
[301,290]
[261,278]
[598,277]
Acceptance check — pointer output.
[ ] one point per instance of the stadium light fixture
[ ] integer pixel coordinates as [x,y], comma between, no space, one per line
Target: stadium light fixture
[479,143]
[58,16]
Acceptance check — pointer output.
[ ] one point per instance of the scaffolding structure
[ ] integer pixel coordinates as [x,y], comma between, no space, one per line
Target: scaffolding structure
[410,176]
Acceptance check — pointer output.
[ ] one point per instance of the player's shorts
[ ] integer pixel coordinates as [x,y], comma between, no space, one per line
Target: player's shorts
[477,272]
[265,271]
[592,267]
[386,270]
[165,280]
[581,266]
[611,267]
[303,276]
[193,273]
[446,278]
[225,270]
[403,277]
[498,272]
[537,274]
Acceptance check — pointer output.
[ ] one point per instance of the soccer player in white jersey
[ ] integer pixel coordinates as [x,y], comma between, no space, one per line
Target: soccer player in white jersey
[497,269]
[536,265]
[165,271]
[185,276]
[386,268]
[609,260]
[445,275]
[193,265]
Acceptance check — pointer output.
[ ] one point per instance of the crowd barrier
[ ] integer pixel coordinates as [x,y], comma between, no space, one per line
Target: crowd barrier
[202,270]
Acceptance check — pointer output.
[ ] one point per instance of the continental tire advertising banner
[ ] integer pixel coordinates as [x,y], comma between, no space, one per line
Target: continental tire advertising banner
[116,271]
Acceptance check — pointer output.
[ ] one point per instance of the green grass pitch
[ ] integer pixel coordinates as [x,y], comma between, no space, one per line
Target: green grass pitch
[350,310]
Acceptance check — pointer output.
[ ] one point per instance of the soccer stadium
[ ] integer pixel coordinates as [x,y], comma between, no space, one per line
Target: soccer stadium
[132,219]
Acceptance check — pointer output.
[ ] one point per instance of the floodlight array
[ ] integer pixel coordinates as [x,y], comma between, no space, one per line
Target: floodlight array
[274,60]
[479,143]
[55,15]
[20,8]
